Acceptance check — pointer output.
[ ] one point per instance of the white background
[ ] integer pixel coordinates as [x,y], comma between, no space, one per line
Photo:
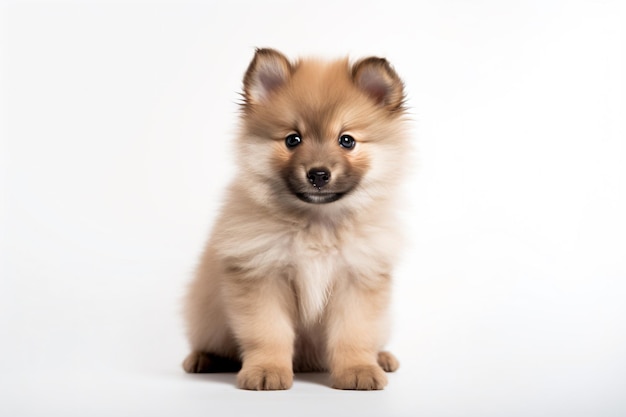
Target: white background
[118,125]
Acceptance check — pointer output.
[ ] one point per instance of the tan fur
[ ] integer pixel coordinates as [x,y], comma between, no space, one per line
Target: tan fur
[285,284]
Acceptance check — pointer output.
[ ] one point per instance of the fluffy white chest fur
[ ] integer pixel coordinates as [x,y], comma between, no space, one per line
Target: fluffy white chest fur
[313,257]
[317,258]
[316,268]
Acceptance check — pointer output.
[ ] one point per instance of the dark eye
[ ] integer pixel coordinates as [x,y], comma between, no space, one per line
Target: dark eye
[293,140]
[347,141]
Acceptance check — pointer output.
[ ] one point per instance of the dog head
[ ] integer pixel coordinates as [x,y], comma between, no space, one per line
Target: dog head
[321,133]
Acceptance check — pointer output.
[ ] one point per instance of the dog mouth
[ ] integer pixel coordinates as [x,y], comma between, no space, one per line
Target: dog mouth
[319,197]
[312,193]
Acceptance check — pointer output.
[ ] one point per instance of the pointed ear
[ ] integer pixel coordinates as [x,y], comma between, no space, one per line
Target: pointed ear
[268,71]
[378,79]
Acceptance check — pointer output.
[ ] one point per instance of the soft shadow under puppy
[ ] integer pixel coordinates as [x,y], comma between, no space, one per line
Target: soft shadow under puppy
[225,378]
[318,378]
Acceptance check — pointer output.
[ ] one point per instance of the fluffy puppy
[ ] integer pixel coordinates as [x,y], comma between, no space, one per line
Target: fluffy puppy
[296,274]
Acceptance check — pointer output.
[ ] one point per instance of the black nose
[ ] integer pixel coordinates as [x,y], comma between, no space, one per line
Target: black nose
[319,177]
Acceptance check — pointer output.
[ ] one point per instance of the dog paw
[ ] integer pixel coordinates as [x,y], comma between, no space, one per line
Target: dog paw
[364,377]
[196,362]
[261,378]
[201,362]
[388,362]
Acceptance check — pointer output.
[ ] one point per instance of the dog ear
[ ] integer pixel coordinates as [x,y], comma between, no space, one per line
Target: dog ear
[268,71]
[377,78]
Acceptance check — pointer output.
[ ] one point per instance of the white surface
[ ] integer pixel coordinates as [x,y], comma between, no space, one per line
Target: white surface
[117,133]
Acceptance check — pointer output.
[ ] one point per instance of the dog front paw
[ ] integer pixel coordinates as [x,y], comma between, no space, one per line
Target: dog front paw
[363,377]
[262,378]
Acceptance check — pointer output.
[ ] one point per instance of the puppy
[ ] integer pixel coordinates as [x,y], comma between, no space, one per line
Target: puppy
[296,274]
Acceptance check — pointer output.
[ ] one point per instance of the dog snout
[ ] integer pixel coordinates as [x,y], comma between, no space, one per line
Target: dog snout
[319,177]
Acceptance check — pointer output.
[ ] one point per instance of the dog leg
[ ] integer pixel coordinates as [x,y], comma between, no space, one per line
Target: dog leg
[356,321]
[262,318]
